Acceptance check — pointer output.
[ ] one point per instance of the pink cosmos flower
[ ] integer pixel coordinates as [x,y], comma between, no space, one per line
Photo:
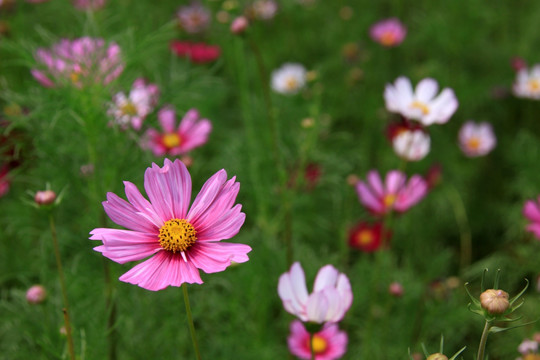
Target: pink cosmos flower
[368,237]
[395,194]
[329,301]
[388,32]
[88,4]
[134,108]
[180,239]
[531,210]
[328,344]
[36,294]
[194,18]
[528,346]
[422,104]
[527,84]
[192,132]
[476,139]
[78,62]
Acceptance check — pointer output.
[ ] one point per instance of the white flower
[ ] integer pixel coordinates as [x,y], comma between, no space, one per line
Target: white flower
[329,301]
[476,139]
[412,145]
[421,104]
[134,108]
[265,9]
[289,78]
[527,83]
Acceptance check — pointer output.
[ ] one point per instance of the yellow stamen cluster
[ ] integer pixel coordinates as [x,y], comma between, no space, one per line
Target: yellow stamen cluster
[420,105]
[128,109]
[388,38]
[389,200]
[177,235]
[319,344]
[473,143]
[365,237]
[534,85]
[171,140]
[291,83]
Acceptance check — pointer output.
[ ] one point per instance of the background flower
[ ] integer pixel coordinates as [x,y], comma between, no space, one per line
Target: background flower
[289,78]
[328,344]
[476,139]
[388,32]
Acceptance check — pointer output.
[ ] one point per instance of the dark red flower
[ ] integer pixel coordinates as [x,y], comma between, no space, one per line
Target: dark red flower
[367,237]
[198,53]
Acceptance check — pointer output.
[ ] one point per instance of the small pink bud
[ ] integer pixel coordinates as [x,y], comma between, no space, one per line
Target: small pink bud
[494,302]
[417,356]
[46,197]
[36,294]
[239,25]
[437,356]
[395,289]
[187,160]
[518,63]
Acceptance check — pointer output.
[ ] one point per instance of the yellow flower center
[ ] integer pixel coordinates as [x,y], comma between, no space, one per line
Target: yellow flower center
[531,357]
[534,85]
[388,38]
[171,140]
[421,106]
[365,237]
[473,143]
[291,83]
[319,344]
[177,235]
[128,109]
[389,200]
[74,76]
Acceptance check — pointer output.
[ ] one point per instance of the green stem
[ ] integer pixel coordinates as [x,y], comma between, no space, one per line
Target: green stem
[483,341]
[190,322]
[311,346]
[65,310]
[464,231]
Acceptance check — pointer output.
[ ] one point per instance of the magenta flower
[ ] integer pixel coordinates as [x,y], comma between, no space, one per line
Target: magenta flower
[192,132]
[476,139]
[134,108]
[78,62]
[329,301]
[531,210]
[180,239]
[328,344]
[395,194]
[388,32]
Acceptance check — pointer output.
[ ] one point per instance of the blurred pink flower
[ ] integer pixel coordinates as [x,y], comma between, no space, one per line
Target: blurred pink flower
[88,4]
[368,237]
[36,294]
[528,346]
[134,108]
[182,239]
[263,9]
[239,25]
[421,104]
[78,62]
[328,344]
[329,301]
[194,18]
[4,179]
[395,194]
[396,289]
[476,139]
[388,32]
[527,84]
[192,132]
[531,210]
[198,53]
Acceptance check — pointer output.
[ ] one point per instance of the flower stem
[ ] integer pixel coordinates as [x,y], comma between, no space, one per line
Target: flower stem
[463,224]
[65,310]
[483,341]
[190,322]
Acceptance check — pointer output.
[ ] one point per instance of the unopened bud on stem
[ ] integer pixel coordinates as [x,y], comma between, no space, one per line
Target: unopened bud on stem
[494,302]
[46,197]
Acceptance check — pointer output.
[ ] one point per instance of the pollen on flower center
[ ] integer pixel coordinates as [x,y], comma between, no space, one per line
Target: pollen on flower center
[473,143]
[74,76]
[534,85]
[171,140]
[388,38]
[291,83]
[421,106]
[389,200]
[177,235]
[319,344]
[128,109]
[365,237]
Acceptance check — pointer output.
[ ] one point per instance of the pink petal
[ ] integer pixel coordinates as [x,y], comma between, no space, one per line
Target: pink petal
[124,245]
[317,307]
[224,228]
[374,181]
[188,121]
[215,257]
[162,270]
[394,181]
[426,90]
[531,211]
[125,214]
[167,119]
[368,199]
[197,136]
[292,290]
[211,188]
[42,78]
[326,277]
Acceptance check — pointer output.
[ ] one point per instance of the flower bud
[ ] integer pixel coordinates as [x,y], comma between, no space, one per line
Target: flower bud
[395,289]
[36,294]
[494,301]
[437,356]
[46,197]
[239,25]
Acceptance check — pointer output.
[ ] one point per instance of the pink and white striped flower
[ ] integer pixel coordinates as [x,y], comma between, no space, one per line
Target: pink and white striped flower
[395,194]
[328,344]
[192,132]
[78,62]
[388,32]
[531,210]
[134,108]
[422,104]
[329,301]
[527,84]
[476,139]
[179,239]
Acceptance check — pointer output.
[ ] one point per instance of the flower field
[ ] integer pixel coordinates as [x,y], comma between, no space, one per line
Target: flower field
[294,179]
